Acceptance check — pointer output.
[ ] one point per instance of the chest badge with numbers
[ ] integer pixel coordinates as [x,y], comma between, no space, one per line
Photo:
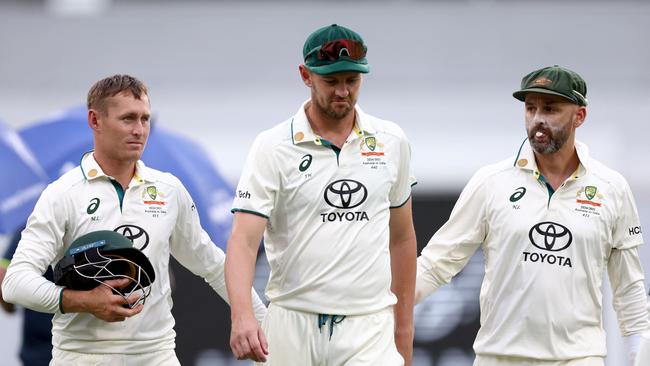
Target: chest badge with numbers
[372,152]
[155,201]
[589,200]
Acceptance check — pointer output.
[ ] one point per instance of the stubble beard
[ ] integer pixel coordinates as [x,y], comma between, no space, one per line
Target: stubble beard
[556,138]
[332,113]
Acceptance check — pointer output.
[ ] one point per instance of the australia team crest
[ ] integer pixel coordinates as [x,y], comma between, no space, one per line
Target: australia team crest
[154,201]
[372,152]
[590,200]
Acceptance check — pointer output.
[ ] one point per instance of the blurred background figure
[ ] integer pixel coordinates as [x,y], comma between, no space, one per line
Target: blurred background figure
[36,336]
[22,179]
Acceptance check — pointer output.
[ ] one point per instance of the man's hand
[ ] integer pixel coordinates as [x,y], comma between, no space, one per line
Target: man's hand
[102,302]
[247,340]
[8,307]
[404,343]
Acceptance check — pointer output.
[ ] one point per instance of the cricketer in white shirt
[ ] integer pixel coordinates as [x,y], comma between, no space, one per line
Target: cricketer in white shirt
[545,257]
[167,223]
[546,246]
[327,237]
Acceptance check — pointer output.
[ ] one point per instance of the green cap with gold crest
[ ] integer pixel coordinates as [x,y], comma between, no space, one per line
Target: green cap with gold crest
[554,80]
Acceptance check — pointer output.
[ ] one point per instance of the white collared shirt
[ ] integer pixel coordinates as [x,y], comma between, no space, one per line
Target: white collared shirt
[327,234]
[156,212]
[545,256]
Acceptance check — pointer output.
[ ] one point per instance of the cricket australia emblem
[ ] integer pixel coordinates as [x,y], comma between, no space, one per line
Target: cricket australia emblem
[589,201]
[155,201]
[372,152]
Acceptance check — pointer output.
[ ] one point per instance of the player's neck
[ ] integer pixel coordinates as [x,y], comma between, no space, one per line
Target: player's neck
[122,171]
[559,166]
[336,131]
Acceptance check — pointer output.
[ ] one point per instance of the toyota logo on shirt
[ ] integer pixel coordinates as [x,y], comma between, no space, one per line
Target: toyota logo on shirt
[345,193]
[550,236]
[136,234]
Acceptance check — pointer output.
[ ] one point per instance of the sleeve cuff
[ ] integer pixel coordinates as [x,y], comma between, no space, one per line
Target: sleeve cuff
[234,210]
[61,301]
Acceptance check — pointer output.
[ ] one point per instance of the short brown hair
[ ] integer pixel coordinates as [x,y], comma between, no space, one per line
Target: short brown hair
[111,86]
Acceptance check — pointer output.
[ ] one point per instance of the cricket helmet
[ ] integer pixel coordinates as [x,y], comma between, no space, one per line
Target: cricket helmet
[104,255]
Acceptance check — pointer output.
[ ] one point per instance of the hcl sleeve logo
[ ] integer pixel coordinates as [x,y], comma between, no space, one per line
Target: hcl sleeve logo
[635,230]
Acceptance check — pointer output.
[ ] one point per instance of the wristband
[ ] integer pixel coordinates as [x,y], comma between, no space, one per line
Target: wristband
[61,301]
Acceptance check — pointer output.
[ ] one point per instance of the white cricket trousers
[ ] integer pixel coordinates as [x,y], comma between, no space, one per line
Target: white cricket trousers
[643,355]
[306,339]
[482,360]
[160,358]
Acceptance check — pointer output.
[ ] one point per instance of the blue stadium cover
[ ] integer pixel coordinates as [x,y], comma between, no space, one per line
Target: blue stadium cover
[22,180]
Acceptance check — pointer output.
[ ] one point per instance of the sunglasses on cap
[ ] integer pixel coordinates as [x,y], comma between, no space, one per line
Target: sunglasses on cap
[334,50]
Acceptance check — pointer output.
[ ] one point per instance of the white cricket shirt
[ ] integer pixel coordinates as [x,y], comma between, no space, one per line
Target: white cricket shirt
[327,234]
[156,212]
[545,256]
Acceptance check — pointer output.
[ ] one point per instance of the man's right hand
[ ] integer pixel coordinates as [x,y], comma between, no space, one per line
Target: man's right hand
[102,302]
[247,339]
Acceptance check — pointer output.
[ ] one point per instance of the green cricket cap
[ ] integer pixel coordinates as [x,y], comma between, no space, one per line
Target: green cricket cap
[348,55]
[554,80]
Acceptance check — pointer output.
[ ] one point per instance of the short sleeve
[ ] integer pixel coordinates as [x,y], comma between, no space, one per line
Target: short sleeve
[401,190]
[259,181]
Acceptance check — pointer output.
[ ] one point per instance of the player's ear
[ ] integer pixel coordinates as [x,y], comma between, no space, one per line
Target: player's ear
[93,119]
[581,116]
[305,74]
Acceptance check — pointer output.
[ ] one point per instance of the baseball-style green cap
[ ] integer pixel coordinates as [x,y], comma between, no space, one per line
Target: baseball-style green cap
[335,49]
[554,80]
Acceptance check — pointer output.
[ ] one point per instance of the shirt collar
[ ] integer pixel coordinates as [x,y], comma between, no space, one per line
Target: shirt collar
[301,130]
[525,159]
[91,170]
